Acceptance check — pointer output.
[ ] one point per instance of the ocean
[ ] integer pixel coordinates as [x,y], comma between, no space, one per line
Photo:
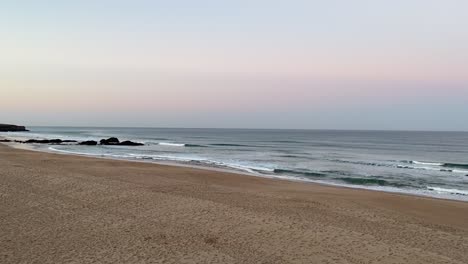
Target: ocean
[421,163]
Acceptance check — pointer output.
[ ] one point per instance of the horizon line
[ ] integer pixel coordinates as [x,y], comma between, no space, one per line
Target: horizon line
[247,128]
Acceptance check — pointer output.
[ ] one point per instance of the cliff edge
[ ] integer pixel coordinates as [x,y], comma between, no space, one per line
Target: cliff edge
[12,128]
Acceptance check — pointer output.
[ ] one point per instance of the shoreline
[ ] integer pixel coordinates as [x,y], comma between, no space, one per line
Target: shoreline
[240,172]
[55,206]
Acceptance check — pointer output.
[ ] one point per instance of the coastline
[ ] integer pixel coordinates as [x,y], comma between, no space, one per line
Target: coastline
[55,206]
[239,172]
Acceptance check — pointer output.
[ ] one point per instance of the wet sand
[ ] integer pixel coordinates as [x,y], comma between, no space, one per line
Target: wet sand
[68,209]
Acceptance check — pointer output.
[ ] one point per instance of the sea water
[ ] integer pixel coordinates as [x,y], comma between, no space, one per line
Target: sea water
[422,163]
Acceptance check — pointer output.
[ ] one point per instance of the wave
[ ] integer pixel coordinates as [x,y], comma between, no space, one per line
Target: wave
[336,172]
[236,166]
[299,172]
[285,141]
[71,152]
[434,166]
[205,161]
[455,165]
[165,157]
[370,181]
[229,145]
[171,144]
[448,191]
[249,168]
[361,163]
[195,146]
[419,168]
[89,154]
[364,181]
[294,156]
[440,166]
[427,163]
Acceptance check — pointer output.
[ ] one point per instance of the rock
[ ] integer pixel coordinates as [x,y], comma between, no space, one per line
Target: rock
[54,141]
[110,141]
[88,143]
[115,142]
[5,140]
[47,141]
[130,143]
[11,128]
[38,141]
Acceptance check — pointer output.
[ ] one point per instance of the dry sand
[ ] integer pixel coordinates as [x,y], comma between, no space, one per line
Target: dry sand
[67,209]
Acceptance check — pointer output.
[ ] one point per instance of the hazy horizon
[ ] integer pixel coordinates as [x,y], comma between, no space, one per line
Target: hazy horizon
[354,65]
[238,128]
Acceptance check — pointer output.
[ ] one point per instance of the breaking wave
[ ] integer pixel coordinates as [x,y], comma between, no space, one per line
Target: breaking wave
[448,191]
[171,144]
[370,181]
[454,165]
[299,172]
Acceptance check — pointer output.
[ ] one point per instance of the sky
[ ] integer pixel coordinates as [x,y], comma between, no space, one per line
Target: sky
[357,64]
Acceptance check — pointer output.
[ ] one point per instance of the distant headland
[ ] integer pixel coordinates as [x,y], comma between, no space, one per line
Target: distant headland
[12,128]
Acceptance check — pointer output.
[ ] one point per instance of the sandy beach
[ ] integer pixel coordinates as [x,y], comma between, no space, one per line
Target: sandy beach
[68,209]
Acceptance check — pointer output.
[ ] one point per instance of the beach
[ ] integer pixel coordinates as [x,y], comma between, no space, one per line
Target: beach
[70,209]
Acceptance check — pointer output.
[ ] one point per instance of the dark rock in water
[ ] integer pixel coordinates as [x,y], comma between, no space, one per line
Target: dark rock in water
[88,143]
[19,141]
[48,141]
[130,143]
[44,141]
[115,142]
[110,141]
[5,140]
[11,128]
[39,141]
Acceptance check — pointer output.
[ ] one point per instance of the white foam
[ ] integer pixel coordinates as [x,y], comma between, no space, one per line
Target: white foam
[171,144]
[427,168]
[448,191]
[427,163]
[232,165]
[73,152]
[166,157]
[89,154]
[248,168]
[417,167]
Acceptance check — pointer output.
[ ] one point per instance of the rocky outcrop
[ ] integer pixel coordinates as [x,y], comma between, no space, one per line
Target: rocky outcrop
[49,141]
[43,141]
[130,143]
[12,128]
[115,142]
[88,143]
[110,141]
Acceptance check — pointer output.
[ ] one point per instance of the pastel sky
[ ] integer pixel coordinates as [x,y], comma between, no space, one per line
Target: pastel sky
[357,64]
